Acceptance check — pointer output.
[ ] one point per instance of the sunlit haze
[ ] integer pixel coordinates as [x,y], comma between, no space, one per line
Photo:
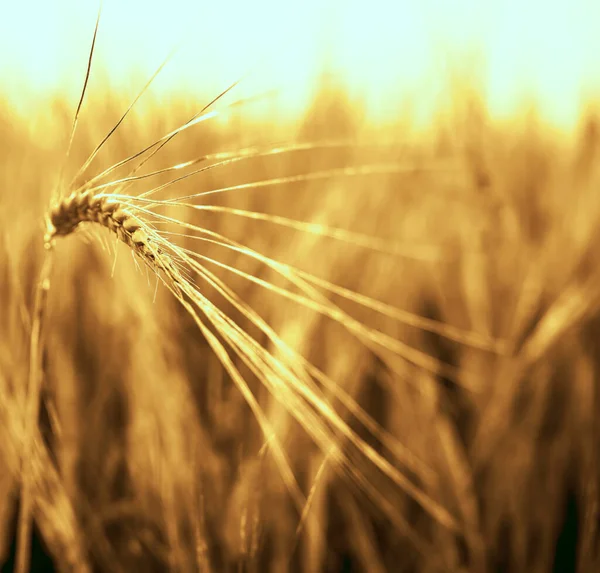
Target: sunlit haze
[383,50]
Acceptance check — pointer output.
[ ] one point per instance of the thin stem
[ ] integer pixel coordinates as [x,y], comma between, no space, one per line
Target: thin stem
[32,406]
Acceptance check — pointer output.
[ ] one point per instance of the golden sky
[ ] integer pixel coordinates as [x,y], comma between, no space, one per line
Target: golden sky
[384,49]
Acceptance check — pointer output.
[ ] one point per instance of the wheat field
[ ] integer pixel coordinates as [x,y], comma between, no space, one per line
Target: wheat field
[335,347]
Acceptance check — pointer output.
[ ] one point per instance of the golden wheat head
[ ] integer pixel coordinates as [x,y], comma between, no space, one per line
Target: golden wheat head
[87,207]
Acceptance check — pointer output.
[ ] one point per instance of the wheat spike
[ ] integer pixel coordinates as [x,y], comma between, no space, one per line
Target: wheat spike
[87,207]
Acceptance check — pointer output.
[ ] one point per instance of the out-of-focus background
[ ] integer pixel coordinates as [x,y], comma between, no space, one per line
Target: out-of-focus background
[438,407]
[384,51]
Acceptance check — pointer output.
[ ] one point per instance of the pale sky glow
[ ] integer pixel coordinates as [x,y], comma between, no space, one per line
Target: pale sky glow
[382,48]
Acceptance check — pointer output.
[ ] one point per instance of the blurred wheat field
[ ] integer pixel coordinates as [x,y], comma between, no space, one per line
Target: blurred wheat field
[408,321]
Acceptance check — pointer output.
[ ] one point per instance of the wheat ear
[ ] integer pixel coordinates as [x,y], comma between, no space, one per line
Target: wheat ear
[87,207]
